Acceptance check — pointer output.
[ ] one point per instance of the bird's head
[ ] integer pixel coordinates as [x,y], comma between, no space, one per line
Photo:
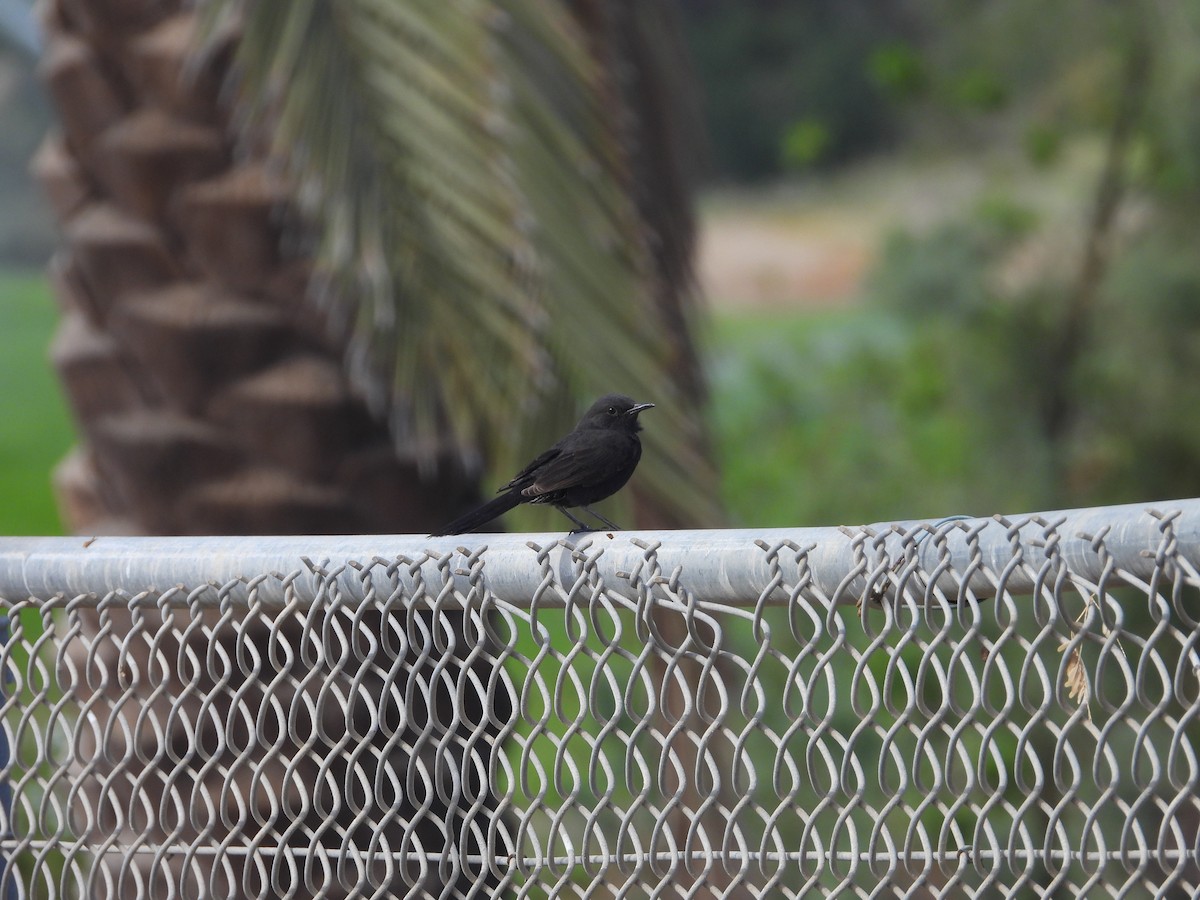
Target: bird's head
[615,412]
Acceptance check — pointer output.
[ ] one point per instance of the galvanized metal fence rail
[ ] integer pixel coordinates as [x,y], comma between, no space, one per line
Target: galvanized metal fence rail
[976,707]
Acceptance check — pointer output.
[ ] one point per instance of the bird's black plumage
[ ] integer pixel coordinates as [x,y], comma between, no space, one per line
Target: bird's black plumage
[592,462]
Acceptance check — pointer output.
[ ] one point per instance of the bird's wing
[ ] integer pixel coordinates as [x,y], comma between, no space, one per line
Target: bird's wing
[526,475]
[568,468]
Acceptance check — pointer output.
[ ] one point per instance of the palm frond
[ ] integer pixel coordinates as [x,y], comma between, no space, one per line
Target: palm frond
[474,221]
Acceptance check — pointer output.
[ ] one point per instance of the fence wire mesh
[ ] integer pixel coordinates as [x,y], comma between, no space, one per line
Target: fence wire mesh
[984,707]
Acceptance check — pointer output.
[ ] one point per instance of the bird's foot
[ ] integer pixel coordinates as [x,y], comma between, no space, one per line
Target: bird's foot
[613,525]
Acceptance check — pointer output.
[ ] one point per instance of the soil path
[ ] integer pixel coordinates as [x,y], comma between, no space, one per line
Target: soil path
[746,261]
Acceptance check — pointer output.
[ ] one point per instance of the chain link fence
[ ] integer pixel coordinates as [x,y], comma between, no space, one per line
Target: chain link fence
[978,707]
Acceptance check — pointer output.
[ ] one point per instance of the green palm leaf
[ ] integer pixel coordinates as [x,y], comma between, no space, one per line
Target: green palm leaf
[475,226]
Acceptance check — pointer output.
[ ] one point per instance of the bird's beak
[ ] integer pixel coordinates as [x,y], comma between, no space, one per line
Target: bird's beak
[634,410]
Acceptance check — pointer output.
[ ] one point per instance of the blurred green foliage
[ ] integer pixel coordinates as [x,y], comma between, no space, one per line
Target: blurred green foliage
[852,418]
[1003,359]
[943,73]
[980,89]
[898,69]
[765,66]
[1043,143]
[805,143]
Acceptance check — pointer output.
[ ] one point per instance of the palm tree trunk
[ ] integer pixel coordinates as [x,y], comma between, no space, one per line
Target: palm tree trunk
[209,401]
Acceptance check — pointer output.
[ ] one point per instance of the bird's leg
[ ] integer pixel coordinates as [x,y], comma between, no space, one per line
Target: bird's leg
[601,518]
[579,525]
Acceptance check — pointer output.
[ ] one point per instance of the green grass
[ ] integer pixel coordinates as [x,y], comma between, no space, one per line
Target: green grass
[35,429]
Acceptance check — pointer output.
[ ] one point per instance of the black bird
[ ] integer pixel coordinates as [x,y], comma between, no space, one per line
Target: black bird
[592,462]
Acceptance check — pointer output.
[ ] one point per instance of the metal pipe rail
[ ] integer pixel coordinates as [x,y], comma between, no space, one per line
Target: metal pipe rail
[985,707]
[732,566]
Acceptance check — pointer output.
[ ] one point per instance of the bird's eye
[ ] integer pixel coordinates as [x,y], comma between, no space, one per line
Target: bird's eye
[612,410]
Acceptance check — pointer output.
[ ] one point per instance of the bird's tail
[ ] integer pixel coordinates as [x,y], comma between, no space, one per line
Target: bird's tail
[482,515]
